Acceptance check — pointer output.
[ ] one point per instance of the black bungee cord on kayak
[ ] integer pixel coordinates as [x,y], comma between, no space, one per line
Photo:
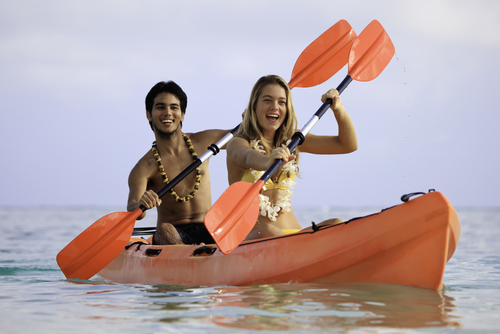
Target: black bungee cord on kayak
[406,197]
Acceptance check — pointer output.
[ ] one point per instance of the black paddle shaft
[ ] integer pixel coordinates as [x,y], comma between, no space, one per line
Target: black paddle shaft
[298,138]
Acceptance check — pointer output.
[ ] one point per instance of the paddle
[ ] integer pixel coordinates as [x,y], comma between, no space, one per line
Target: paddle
[234,214]
[324,57]
[101,242]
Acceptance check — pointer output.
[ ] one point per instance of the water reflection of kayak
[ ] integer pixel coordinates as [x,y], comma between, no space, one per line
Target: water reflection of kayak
[293,307]
[408,244]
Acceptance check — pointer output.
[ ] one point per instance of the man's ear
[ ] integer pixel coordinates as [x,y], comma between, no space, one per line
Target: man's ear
[148,115]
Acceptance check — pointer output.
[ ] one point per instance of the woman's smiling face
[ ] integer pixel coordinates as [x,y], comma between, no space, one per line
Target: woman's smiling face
[271,109]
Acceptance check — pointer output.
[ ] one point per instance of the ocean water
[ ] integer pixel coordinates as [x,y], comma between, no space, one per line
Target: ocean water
[35,297]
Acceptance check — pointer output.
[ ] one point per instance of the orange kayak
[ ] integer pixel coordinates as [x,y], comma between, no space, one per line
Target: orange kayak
[408,244]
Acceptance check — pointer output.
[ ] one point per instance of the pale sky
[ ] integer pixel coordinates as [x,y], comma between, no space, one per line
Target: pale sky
[74,75]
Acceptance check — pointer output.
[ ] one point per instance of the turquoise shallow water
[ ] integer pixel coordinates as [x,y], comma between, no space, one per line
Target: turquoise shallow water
[35,297]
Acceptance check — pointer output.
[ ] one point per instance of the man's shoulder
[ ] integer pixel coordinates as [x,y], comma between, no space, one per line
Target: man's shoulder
[144,163]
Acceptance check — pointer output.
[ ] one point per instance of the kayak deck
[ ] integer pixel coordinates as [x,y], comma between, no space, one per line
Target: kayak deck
[408,244]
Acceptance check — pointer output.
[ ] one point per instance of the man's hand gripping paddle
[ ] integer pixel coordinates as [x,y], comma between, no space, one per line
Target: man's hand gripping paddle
[235,213]
[101,242]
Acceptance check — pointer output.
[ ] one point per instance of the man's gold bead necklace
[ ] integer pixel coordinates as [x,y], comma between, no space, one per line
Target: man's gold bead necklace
[164,175]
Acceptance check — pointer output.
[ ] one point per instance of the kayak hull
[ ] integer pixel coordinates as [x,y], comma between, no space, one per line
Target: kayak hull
[408,244]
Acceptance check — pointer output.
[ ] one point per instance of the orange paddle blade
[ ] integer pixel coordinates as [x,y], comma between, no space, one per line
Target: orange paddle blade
[324,57]
[370,53]
[98,245]
[234,214]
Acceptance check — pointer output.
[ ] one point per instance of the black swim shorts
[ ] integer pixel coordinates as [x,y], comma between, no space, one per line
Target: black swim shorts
[193,234]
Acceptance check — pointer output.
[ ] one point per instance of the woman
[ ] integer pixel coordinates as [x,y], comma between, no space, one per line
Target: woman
[268,124]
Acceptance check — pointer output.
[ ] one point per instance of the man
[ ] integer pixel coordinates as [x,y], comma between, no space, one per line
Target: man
[181,212]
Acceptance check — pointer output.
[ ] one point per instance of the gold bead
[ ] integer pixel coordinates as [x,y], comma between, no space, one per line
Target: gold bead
[157,156]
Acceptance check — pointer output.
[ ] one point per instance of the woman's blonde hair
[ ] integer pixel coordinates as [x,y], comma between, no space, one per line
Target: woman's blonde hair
[250,128]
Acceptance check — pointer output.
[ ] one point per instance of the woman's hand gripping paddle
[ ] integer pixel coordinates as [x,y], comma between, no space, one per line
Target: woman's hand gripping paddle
[101,242]
[234,214]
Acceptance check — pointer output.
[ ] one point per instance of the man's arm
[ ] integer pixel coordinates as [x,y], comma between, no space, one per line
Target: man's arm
[138,192]
[210,136]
